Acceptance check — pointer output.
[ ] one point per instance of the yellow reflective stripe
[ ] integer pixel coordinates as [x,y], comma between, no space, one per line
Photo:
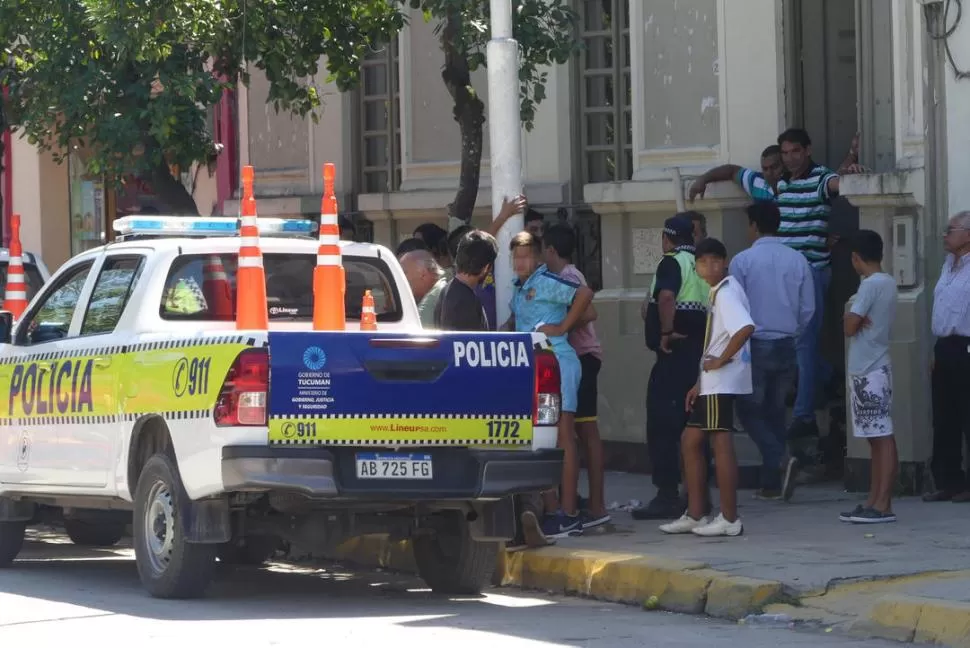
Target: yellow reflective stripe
[402,430]
[176,379]
[179,379]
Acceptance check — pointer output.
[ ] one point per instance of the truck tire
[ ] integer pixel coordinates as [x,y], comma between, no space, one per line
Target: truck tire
[253,551]
[169,567]
[94,534]
[11,541]
[450,562]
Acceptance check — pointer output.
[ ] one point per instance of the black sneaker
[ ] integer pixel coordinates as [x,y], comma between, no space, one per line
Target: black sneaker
[661,507]
[803,428]
[560,525]
[788,481]
[768,494]
[847,515]
[872,516]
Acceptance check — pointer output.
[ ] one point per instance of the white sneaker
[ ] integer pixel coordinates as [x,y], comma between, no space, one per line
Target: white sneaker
[719,527]
[685,524]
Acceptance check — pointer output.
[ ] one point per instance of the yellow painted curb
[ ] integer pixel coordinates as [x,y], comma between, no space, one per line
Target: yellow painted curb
[919,619]
[677,585]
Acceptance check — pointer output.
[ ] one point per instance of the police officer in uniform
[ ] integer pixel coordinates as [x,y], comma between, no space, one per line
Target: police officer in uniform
[675,315]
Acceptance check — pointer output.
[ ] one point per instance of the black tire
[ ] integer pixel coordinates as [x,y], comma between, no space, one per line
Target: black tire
[169,567]
[94,534]
[11,541]
[252,551]
[450,562]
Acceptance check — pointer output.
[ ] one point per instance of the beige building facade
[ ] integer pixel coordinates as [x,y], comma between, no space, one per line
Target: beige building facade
[662,91]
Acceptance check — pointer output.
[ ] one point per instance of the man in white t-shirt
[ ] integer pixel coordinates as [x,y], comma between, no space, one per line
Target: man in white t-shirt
[725,373]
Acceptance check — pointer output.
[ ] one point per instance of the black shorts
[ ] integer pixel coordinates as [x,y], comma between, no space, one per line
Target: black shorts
[713,413]
[588,392]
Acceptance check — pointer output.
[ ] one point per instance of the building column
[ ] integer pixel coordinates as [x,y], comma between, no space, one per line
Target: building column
[42,198]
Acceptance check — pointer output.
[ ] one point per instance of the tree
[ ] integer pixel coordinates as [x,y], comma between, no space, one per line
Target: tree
[545,31]
[134,79]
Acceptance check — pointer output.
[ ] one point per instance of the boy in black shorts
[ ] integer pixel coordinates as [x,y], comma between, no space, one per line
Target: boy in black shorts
[725,372]
[559,244]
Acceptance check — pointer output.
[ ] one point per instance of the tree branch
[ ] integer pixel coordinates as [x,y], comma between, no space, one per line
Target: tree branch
[469,112]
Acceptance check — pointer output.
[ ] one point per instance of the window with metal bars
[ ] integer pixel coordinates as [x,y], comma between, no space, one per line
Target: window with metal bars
[379,144]
[606,131]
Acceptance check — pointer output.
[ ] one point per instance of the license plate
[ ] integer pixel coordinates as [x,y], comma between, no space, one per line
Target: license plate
[379,465]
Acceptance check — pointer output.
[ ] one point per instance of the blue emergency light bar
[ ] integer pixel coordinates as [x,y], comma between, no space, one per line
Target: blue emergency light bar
[179,226]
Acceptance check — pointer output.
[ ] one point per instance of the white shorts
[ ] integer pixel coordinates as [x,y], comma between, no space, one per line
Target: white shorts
[871,401]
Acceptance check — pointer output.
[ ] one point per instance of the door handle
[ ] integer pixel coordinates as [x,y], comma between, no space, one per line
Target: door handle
[44,367]
[102,363]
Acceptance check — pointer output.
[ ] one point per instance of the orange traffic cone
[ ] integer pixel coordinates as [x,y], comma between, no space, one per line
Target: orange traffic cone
[368,318]
[329,282]
[216,288]
[251,308]
[15,299]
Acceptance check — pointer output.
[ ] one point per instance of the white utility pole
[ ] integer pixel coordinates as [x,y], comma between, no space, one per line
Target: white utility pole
[505,139]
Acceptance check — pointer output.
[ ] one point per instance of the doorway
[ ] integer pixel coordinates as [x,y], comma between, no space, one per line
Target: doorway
[822,57]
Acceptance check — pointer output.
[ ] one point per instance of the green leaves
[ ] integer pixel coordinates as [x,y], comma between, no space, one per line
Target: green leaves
[544,29]
[136,78]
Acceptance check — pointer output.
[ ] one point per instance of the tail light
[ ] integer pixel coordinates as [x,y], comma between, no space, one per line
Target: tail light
[548,397]
[244,393]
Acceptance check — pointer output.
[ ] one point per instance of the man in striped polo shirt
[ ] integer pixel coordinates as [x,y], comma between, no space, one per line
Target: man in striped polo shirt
[804,196]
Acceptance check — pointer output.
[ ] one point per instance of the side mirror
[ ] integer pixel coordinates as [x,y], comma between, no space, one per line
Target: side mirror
[6,327]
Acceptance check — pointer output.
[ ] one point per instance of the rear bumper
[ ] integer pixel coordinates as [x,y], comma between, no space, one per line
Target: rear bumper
[458,473]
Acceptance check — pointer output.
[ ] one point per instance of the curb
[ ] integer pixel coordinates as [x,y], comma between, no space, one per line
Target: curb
[918,619]
[653,582]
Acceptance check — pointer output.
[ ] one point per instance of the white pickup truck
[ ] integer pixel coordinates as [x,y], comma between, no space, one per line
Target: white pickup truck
[131,397]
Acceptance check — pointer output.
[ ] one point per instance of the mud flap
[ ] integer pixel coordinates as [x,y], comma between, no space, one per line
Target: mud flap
[206,521]
[15,510]
[494,522]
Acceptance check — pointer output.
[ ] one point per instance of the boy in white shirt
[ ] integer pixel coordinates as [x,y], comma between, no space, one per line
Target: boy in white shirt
[725,373]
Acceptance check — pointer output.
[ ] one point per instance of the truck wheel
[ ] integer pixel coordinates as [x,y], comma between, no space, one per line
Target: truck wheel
[252,551]
[94,534]
[169,567]
[11,541]
[450,562]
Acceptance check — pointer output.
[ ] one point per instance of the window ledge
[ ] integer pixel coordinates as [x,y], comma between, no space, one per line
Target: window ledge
[895,188]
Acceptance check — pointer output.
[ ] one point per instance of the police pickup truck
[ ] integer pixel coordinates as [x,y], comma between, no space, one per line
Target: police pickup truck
[130,397]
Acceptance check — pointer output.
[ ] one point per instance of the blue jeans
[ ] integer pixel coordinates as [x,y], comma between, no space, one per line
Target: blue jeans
[812,369]
[762,412]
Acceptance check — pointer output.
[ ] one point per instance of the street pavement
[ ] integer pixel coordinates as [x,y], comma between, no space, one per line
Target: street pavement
[801,543]
[908,581]
[61,595]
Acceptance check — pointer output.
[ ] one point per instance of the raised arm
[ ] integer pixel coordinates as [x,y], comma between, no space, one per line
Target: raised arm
[509,209]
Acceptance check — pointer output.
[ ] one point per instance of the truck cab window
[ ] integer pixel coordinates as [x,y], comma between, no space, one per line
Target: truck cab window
[51,319]
[203,288]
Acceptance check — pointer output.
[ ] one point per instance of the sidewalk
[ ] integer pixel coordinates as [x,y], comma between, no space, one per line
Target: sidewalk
[908,581]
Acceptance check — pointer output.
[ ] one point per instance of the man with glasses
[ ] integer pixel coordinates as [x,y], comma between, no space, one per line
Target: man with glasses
[951,365]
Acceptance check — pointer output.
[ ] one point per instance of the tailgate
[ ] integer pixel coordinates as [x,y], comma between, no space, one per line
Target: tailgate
[387,389]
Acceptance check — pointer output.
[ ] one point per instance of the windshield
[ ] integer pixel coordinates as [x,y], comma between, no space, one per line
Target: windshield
[31,274]
[195,290]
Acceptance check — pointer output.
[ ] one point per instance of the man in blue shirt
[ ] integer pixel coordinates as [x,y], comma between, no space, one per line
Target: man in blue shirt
[545,302]
[781,292]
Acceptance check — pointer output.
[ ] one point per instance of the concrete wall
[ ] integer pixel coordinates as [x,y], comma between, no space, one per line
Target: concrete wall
[707,90]
[957,124]
[41,195]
